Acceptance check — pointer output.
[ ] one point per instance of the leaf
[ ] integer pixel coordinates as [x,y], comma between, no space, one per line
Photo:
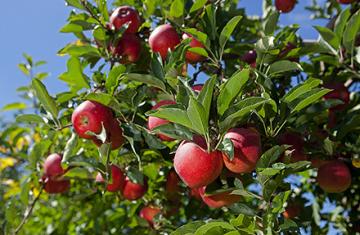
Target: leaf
[271,23]
[270,156]
[31,118]
[239,111]
[135,175]
[352,28]
[38,151]
[174,131]
[241,208]
[341,22]
[279,201]
[69,150]
[174,115]
[16,105]
[197,5]
[329,146]
[75,3]
[231,90]
[196,114]
[228,30]
[199,50]
[113,78]
[74,77]
[204,229]
[78,173]
[105,99]
[283,66]
[45,99]
[176,8]
[147,79]
[206,95]
[307,99]
[24,68]
[329,36]
[227,147]
[200,36]
[80,51]
[188,228]
[152,141]
[300,89]
[288,225]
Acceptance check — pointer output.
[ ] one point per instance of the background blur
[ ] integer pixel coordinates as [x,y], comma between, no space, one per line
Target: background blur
[33,27]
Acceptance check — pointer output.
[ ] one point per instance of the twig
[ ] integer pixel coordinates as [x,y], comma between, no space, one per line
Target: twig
[84,3]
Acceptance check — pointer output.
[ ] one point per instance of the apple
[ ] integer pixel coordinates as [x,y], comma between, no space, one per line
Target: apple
[292,210]
[250,58]
[197,88]
[334,177]
[52,165]
[172,187]
[297,143]
[339,92]
[194,192]
[289,46]
[134,191]
[317,162]
[247,150]
[195,166]
[148,213]
[53,186]
[117,179]
[155,121]
[219,199]
[345,1]
[285,6]
[114,136]
[192,57]
[129,48]
[91,116]
[162,39]
[126,15]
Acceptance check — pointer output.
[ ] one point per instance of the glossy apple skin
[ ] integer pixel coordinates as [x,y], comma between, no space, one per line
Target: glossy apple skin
[247,150]
[334,177]
[345,1]
[197,88]
[192,57]
[148,213]
[114,136]
[172,187]
[218,200]
[164,37]
[54,186]
[129,48]
[195,166]
[285,6]
[133,191]
[292,211]
[117,179]
[52,165]
[339,92]
[155,121]
[89,116]
[123,15]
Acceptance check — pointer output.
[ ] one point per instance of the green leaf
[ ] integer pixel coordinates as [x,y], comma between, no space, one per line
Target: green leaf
[288,225]
[45,99]
[227,147]
[74,77]
[351,30]
[105,99]
[113,78]
[206,95]
[12,106]
[174,115]
[197,5]
[197,116]
[283,66]
[307,99]
[204,229]
[78,173]
[270,156]
[147,79]
[329,36]
[300,89]
[228,30]
[177,8]
[341,22]
[25,189]
[271,23]
[24,68]
[174,131]
[198,50]
[200,36]
[135,175]
[75,3]
[31,118]
[38,151]
[279,201]
[80,51]
[152,141]
[239,111]
[244,223]
[231,90]
[69,150]
[188,228]
[242,208]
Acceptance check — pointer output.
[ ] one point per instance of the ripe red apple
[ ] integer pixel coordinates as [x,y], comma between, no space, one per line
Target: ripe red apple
[155,121]
[172,187]
[117,179]
[285,6]
[345,1]
[218,200]
[194,192]
[334,177]
[195,166]
[297,143]
[192,57]
[123,15]
[317,162]
[250,58]
[129,48]
[90,116]
[247,150]
[339,92]
[197,88]
[114,136]
[52,165]
[53,186]
[134,191]
[292,210]
[148,213]
[163,38]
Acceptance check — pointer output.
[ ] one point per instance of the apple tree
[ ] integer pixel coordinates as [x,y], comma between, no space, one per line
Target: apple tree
[189,117]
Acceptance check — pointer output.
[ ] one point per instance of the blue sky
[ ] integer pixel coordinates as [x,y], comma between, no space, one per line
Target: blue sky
[33,27]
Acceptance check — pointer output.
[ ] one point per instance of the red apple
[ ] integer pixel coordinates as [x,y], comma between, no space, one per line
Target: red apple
[172,187]
[155,121]
[163,38]
[192,57]
[334,177]
[195,166]
[250,58]
[90,116]
[297,143]
[52,165]
[218,200]
[53,186]
[117,179]
[194,192]
[148,213]
[317,162]
[345,1]
[339,92]
[197,88]
[123,15]
[129,48]
[247,150]
[134,191]
[114,136]
[285,6]
[292,210]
